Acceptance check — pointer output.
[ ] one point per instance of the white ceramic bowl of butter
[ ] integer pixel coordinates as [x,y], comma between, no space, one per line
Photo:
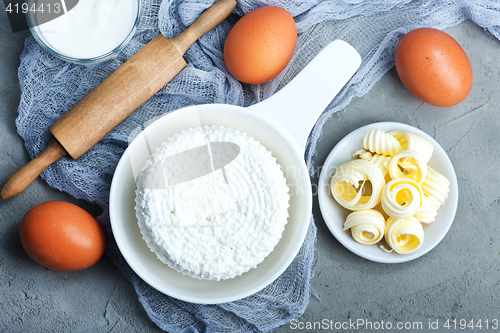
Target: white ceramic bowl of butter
[335,215]
[90,32]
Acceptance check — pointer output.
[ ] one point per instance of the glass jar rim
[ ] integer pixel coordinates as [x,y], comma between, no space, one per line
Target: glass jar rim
[86,61]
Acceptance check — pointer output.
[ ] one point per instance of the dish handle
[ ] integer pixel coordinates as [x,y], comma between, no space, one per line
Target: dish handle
[298,105]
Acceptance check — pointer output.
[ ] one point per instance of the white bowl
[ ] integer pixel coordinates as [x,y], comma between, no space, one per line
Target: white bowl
[165,279]
[282,126]
[335,215]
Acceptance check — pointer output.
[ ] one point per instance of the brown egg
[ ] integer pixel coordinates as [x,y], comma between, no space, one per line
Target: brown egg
[62,236]
[433,67]
[260,44]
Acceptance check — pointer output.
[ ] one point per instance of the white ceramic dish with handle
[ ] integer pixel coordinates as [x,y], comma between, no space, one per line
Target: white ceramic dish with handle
[335,215]
[282,124]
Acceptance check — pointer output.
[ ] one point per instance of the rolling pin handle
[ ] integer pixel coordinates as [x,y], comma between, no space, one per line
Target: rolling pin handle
[208,20]
[30,171]
[155,64]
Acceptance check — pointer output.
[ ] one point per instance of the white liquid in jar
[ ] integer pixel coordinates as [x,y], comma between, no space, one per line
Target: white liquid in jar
[91,29]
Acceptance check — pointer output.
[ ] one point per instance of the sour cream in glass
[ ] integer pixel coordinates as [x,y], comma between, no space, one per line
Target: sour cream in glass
[91,31]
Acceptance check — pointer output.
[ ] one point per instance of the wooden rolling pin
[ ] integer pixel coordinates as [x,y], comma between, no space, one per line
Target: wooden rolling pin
[113,100]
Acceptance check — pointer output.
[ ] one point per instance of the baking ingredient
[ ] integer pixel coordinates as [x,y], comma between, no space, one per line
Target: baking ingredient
[380,142]
[413,141]
[351,183]
[436,186]
[433,67]
[391,169]
[362,154]
[260,44]
[91,29]
[379,160]
[408,164]
[402,198]
[62,236]
[367,226]
[219,225]
[428,212]
[404,236]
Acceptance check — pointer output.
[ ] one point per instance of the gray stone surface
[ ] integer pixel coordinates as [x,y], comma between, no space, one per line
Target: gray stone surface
[459,279]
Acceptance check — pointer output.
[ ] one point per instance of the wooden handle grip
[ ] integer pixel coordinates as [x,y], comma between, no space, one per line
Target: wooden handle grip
[30,171]
[208,20]
[132,84]
[114,99]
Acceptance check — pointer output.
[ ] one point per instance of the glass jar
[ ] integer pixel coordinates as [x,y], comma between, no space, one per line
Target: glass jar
[90,32]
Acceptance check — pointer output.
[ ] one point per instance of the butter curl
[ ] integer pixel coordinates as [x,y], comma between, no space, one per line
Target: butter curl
[413,141]
[429,210]
[367,226]
[436,186]
[349,185]
[402,198]
[380,142]
[404,236]
[408,164]
[380,161]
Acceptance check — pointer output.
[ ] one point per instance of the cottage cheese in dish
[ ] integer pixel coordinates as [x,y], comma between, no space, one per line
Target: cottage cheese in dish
[213,224]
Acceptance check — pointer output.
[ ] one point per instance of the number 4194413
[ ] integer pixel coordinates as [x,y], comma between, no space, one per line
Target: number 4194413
[25,8]
[471,324]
